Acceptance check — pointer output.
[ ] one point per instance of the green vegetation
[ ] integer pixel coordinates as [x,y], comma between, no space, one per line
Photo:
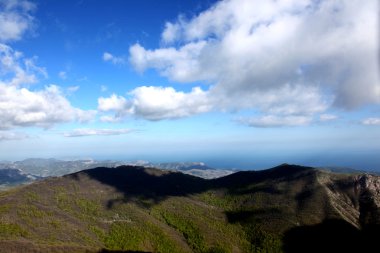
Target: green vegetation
[126,236]
[164,212]
[123,237]
[219,199]
[32,197]
[191,232]
[10,230]
[4,208]
[261,241]
[88,207]
[56,224]
[62,199]
[31,212]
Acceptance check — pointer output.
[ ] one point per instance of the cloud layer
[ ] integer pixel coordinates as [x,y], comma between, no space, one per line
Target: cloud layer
[371,121]
[276,121]
[6,136]
[285,59]
[94,132]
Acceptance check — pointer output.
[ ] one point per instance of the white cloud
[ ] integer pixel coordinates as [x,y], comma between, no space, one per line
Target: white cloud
[15,19]
[20,106]
[371,121]
[321,53]
[170,32]
[277,121]
[62,75]
[6,135]
[110,119]
[94,132]
[16,69]
[44,108]
[157,103]
[72,89]
[113,103]
[107,57]
[285,100]
[327,117]
[179,65]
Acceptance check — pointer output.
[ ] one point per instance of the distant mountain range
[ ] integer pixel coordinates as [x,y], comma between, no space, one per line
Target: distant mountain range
[285,209]
[28,170]
[14,177]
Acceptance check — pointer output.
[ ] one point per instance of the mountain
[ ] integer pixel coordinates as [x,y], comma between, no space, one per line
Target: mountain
[183,166]
[34,168]
[198,169]
[11,177]
[53,167]
[288,208]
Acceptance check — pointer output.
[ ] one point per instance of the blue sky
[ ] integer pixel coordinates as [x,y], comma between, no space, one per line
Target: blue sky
[234,83]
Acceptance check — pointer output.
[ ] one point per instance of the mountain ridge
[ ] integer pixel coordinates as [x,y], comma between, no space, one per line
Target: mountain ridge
[147,209]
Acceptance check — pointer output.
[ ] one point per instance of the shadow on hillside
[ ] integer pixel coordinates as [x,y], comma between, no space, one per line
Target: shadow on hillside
[121,251]
[150,186]
[244,217]
[330,236]
[145,185]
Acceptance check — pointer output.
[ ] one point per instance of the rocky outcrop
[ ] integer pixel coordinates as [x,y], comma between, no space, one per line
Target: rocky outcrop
[369,199]
[355,198]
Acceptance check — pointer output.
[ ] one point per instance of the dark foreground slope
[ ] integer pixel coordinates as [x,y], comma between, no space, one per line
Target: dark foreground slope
[129,209]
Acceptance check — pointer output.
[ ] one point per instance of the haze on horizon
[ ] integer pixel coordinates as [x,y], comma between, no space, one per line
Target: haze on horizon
[233,83]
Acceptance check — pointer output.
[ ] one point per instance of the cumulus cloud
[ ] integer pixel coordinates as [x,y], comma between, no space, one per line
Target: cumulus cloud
[94,132]
[20,106]
[112,103]
[249,50]
[44,108]
[107,57]
[371,121]
[15,19]
[6,136]
[170,32]
[157,103]
[178,65]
